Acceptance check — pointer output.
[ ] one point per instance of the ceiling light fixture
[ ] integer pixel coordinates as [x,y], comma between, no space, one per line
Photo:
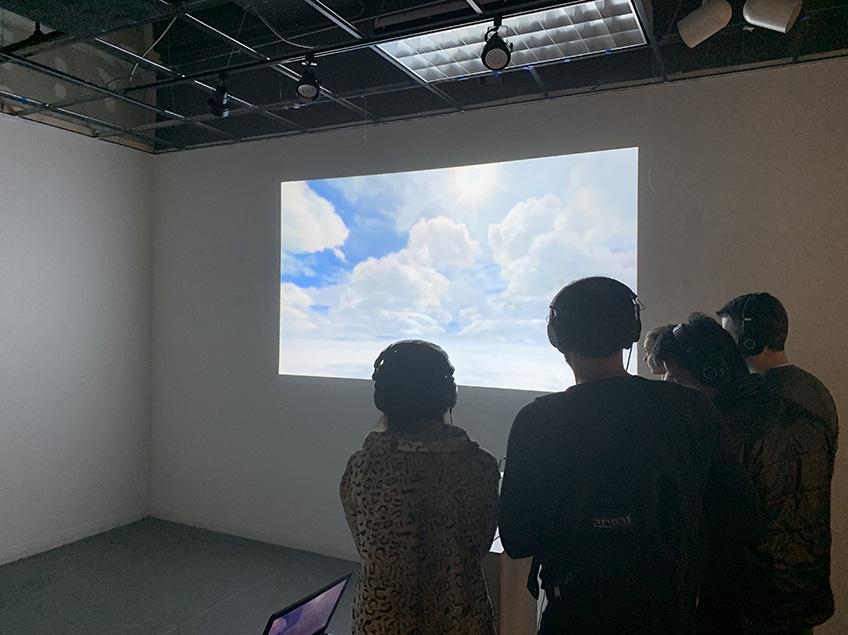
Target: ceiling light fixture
[775,15]
[496,53]
[219,101]
[537,37]
[308,88]
[704,22]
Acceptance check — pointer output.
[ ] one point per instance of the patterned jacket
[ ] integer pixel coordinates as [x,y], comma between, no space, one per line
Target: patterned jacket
[422,510]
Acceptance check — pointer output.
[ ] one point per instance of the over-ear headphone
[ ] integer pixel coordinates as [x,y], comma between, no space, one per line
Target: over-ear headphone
[711,369]
[749,341]
[561,324]
[410,372]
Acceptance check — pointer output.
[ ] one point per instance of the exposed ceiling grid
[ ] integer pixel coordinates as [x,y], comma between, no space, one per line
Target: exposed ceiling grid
[141,72]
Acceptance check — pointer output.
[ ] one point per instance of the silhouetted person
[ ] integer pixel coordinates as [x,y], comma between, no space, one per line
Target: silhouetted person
[649,346]
[611,484]
[421,501]
[759,324]
[781,584]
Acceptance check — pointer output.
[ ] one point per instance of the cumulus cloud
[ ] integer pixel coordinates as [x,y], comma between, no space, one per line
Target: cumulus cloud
[310,222]
[512,237]
[441,242]
[392,283]
[295,316]
[544,242]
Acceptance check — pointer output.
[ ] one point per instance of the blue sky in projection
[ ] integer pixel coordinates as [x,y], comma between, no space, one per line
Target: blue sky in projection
[468,257]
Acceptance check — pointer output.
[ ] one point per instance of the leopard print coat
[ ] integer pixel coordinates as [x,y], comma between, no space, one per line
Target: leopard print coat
[422,510]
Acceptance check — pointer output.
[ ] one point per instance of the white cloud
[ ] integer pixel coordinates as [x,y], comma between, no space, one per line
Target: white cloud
[295,316]
[441,242]
[310,222]
[512,237]
[392,283]
[554,260]
[545,242]
[463,193]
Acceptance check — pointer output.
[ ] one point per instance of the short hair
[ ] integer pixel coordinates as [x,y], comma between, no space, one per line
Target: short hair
[654,334]
[767,315]
[652,338]
[710,342]
[595,317]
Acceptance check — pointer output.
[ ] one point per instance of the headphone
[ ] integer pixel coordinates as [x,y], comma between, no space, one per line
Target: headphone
[409,367]
[711,369]
[749,341]
[560,323]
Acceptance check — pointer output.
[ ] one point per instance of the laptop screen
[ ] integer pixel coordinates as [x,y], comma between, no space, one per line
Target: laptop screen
[309,617]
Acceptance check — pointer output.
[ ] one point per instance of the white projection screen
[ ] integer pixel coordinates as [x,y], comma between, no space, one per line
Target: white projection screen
[467,257]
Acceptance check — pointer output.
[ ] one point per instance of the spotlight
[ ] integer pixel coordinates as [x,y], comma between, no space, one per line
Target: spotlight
[704,22]
[776,15]
[496,53]
[308,88]
[219,101]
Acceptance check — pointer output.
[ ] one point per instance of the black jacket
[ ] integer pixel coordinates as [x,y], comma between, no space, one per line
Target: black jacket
[613,485]
[789,455]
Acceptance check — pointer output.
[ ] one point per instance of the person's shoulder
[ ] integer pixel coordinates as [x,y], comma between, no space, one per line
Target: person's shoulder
[373,445]
[673,395]
[486,462]
[537,411]
[791,415]
[634,386]
[796,375]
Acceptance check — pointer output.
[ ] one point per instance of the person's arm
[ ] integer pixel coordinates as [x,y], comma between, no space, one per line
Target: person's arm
[523,510]
[488,519]
[349,502]
[732,505]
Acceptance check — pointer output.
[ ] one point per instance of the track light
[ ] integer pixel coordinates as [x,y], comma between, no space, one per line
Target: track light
[219,101]
[308,88]
[704,22]
[496,53]
[776,15]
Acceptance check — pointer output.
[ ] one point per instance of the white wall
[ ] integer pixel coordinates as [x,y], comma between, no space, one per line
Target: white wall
[75,253]
[742,186]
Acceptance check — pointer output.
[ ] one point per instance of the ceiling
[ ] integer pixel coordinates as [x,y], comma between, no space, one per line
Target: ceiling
[140,72]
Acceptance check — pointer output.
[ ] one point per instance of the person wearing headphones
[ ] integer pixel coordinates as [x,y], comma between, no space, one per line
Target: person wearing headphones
[421,502]
[612,484]
[781,584]
[759,324]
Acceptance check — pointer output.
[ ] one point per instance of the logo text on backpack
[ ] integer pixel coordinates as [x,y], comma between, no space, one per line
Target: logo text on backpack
[615,522]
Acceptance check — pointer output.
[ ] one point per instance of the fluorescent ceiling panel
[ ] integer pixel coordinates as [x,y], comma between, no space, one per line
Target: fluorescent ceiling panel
[540,37]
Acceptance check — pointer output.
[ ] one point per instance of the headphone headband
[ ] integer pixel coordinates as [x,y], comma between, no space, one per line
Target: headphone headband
[748,339]
[558,329]
[413,375]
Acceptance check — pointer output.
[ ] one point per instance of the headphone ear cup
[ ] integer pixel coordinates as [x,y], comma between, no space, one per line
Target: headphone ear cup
[713,372]
[637,323]
[637,330]
[450,393]
[749,345]
[553,338]
[379,402]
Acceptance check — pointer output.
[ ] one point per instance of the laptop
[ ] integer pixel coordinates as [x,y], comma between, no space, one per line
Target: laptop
[311,615]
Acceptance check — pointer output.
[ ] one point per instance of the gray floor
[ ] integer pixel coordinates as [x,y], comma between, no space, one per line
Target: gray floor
[158,578]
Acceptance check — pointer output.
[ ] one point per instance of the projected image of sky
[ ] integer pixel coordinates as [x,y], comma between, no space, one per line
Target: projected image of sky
[466,257]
